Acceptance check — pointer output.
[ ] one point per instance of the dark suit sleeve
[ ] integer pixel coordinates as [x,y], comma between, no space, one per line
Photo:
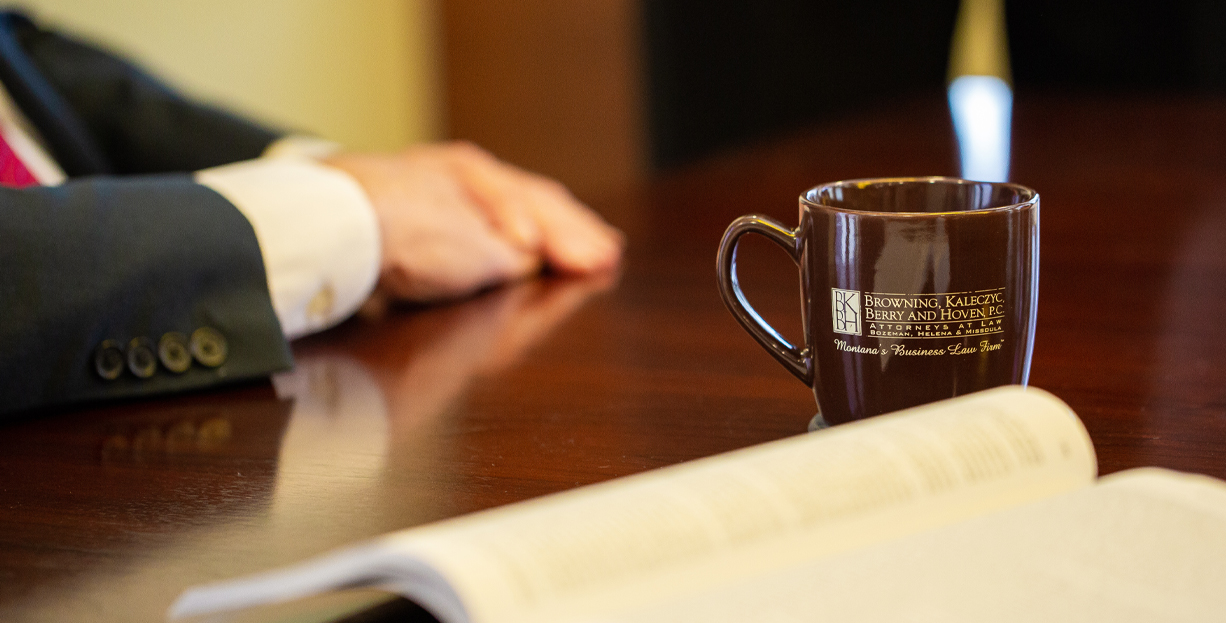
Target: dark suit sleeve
[140,124]
[121,258]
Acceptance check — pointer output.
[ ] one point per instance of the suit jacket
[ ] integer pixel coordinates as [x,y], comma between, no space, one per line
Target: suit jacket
[129,279]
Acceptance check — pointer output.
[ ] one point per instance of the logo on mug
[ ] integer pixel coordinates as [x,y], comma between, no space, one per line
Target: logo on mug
[846,304]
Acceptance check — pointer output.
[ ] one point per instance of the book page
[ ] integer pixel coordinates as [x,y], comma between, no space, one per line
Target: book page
[661,535]
[1143,545]
[668,532]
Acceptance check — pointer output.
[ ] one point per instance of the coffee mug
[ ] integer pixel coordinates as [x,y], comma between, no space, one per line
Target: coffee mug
[912,290]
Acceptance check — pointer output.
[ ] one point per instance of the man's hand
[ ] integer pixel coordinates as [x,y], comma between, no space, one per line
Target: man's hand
[455,219]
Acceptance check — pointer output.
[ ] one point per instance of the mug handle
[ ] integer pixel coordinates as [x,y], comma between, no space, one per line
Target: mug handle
[798,361]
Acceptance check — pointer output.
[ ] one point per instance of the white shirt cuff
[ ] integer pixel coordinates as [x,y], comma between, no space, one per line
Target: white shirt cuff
[301,146]
[317,232]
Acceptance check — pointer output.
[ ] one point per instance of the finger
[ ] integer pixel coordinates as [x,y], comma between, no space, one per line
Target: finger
[444,267]
[494,186]
[574,238]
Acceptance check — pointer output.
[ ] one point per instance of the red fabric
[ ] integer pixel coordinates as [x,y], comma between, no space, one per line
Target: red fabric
[13,171]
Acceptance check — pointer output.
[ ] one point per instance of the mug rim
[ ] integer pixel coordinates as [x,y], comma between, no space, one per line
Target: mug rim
[1033,200]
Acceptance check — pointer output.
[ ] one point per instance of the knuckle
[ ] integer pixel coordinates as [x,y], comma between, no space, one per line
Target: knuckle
[553,188]
[468,149]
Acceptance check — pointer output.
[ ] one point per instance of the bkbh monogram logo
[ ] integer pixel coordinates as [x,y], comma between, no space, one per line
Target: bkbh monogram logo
[846,311]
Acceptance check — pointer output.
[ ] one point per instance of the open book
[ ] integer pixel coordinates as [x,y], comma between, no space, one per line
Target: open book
[976,508]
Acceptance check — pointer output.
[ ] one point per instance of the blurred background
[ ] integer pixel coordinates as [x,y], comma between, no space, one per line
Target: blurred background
[601,93]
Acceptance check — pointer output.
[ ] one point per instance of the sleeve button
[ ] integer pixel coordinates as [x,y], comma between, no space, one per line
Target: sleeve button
[109,360]
[208,347]
[141,360]
[173,352]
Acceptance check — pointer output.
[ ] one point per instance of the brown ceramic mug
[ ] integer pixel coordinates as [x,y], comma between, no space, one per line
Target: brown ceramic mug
[912,290]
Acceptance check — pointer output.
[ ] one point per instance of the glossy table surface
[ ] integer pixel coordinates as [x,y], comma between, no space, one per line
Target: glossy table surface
[404,416]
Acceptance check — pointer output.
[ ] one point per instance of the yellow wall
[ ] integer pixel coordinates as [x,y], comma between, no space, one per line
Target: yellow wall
[362,72]
[980,45]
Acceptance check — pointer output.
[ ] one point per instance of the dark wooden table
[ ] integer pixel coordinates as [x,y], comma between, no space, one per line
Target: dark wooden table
[405,416]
